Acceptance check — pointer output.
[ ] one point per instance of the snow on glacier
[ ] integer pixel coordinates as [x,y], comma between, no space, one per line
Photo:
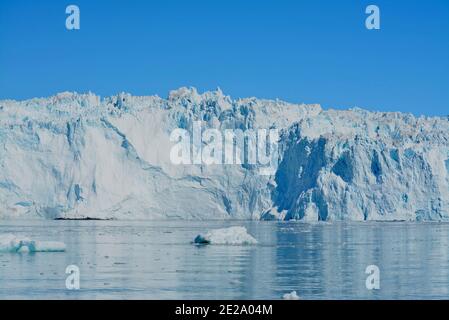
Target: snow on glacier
[77,156]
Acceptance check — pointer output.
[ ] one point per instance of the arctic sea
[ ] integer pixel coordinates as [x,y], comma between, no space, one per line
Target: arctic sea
[156,260]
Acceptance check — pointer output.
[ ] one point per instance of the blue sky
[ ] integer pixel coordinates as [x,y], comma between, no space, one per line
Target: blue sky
[299,51]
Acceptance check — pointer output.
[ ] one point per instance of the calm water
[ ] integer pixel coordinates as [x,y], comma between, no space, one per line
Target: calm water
[155,260]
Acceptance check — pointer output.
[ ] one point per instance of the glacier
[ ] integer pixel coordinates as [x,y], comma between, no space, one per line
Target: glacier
[77,156]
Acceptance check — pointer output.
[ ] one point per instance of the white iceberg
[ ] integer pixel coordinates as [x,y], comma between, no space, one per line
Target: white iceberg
[13,243]
[226,236]
[291,296]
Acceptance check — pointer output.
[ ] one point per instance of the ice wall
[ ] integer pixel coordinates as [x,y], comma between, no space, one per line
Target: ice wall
[77,156]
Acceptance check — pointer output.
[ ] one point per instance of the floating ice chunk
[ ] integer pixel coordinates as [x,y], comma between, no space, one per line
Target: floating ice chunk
[12,243]
[291,296]
[48,246]
[226,236]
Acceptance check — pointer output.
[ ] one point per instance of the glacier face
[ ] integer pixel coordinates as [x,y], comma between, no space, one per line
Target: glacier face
[78,156]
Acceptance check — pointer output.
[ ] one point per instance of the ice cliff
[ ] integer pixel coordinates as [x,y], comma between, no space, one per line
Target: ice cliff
[77,156]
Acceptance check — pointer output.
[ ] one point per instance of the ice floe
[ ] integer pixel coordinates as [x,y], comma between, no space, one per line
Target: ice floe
[291,296]
[13,243]
[226,236]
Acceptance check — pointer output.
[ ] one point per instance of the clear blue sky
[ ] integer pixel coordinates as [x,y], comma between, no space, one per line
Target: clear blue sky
[314,51]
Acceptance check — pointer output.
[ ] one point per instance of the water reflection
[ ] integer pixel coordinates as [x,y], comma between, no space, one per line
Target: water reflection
[155,260]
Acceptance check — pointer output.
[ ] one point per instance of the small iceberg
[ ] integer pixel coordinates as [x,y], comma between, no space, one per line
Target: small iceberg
[291,296]
[12,243]
[226,236]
